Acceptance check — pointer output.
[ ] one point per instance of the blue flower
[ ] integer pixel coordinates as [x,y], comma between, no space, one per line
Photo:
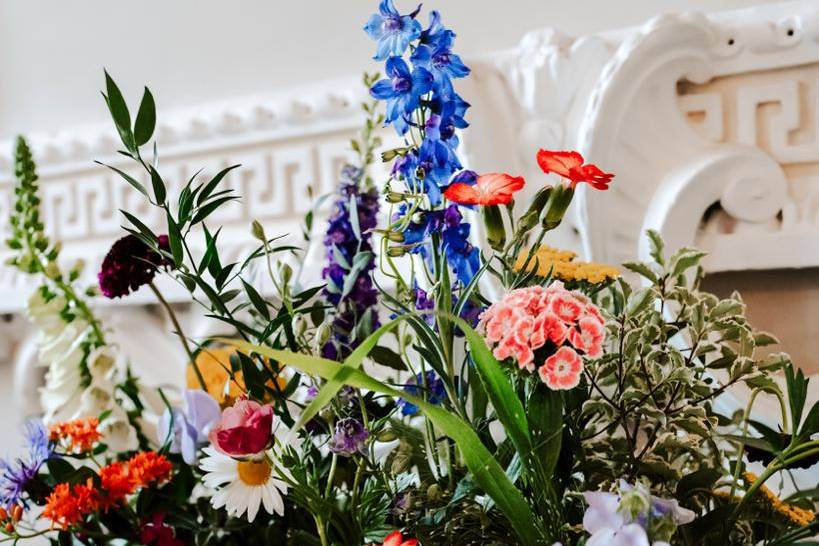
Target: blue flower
[392,31]
[15,477]
[464,258]
[451,108]
[441,62]
[402,90]
[436,32]
[434,389]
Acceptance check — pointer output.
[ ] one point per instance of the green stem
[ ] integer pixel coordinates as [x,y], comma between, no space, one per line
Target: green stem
[180,334]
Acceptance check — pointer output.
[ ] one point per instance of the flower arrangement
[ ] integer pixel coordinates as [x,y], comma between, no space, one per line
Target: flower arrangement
[396,403]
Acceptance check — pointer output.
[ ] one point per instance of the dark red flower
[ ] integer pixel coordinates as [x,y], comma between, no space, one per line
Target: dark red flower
[570,165]
[490,189]
[156,533]
[130,264]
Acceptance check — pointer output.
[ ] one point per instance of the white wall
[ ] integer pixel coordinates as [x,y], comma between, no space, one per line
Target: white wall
[192,51]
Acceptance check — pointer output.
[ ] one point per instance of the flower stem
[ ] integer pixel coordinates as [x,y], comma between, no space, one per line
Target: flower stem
[180,334]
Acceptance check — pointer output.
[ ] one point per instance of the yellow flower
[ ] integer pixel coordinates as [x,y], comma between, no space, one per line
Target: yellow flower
[214,363]
[794,514]
[561,265]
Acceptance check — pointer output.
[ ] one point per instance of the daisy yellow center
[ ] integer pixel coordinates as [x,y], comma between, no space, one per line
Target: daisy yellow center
[254,472]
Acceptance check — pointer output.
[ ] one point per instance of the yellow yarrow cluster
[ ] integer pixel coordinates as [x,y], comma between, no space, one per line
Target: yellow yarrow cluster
[562,266]
[794,514]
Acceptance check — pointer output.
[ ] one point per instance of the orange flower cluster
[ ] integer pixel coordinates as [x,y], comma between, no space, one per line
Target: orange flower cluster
[149,467]
[68,505]
[78,435]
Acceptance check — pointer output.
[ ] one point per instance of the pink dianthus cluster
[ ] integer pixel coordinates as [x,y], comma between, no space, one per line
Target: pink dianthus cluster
[527,318]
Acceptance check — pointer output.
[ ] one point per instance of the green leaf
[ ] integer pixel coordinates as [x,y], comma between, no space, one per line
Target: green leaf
[119,113]
[160,190]
[657,246]
[639,301]
[503,397]
[175,240]
[257,300]
[544,409]
[185,205]
[128,178]
[145,120]
[684,259]
[360,262]
[144,230]
[488,473]
[387,357]
[641,269]
[211,185]
[703,479]
[811,424]
[206,210]
[797,393]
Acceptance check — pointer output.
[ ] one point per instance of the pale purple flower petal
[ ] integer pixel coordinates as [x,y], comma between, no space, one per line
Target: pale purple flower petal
[602,512]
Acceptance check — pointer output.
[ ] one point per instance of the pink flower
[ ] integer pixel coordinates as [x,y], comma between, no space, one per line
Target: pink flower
[566,306]
[244,429]
[589,337]
[561,371]
[501,321]
[509,347]
[548,327]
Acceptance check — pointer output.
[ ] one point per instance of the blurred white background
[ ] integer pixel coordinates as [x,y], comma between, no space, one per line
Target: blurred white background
[193,51]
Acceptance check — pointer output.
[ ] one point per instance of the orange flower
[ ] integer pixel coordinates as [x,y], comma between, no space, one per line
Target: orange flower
[570,165]
[67,506]
[78,435]
[148,467]
[117,483]
[490,189]
[214,363]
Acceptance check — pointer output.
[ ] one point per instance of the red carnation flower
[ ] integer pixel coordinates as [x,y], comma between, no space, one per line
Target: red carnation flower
[570,165]
[130,264]
[490,189]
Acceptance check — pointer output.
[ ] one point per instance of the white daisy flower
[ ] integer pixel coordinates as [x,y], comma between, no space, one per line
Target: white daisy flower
[241,486]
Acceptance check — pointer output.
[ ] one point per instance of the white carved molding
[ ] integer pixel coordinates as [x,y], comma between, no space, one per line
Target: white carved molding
[289,145]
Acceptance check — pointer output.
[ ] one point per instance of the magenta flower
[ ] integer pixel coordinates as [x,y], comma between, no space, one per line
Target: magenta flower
[244,429]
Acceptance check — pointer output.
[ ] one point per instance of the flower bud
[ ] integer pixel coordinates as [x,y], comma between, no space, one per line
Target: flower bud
[395,197]
[532,215]
[495,230]
[559,200]
[285,273]
[325,330]
[52,271]
[396,251]
[258,231]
